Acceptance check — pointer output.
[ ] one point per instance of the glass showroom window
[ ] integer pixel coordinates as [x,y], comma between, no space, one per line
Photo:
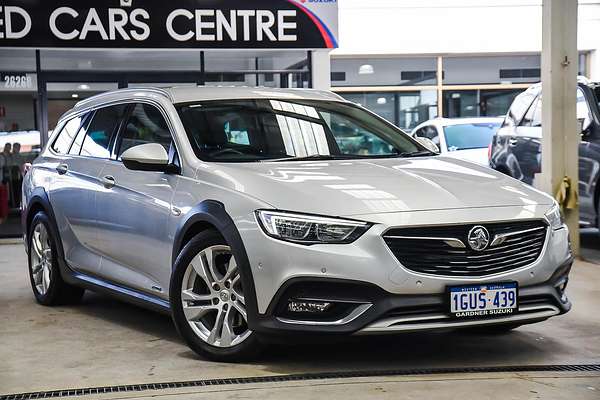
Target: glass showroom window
[478,103]
[416,107]
[404,109]
[461,103]
[494,103]
[19,137]
[236,68]
[382,104]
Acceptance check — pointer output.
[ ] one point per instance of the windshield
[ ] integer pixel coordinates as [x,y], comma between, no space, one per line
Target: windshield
[470,136]
[256,130]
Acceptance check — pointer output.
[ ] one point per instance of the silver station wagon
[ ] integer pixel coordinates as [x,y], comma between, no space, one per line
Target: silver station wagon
[252,213]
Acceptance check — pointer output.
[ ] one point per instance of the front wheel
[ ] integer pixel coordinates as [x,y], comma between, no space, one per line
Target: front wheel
[208,301]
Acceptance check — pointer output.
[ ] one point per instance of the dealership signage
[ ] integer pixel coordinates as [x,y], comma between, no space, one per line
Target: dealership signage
[169,24]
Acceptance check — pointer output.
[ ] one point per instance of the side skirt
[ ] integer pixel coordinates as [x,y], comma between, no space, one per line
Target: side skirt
[121,292]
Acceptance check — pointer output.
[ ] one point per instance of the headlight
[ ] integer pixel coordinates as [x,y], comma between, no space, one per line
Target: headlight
[308,229]
[554,217]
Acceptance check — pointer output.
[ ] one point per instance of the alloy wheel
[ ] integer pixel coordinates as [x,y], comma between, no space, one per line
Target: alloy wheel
[213,299]
[41,258]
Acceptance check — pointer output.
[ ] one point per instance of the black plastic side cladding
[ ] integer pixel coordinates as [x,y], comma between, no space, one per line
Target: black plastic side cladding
[213,212]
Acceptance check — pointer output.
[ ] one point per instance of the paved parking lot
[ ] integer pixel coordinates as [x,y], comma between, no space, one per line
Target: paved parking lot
[106,342]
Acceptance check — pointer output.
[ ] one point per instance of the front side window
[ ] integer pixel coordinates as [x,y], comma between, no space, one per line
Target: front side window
[100,131]
[470,136]
[145,124]
[254,130]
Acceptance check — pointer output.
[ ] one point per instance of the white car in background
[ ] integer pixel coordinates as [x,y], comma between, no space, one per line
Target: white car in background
[464,138]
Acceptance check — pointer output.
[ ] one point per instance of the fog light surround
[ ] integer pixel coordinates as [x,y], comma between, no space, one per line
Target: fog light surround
[308,306]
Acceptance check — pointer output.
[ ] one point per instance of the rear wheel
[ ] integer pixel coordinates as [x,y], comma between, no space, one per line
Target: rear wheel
[44,273]
[208,300]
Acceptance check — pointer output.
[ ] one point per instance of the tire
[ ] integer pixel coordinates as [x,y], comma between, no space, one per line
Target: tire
[208,305]
[47,284]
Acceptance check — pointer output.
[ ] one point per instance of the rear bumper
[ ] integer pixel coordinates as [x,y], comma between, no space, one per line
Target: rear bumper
[366,309]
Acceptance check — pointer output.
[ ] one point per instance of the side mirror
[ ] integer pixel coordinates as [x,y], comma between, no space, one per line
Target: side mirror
[428,144]
[148,157]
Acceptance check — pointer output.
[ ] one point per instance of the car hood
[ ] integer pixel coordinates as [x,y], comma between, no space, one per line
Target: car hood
[353,187]
[479,156]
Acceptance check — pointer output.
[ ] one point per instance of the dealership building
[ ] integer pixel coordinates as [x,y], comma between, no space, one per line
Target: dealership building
[53,55]
[470,59]
[416,60]
[406,60]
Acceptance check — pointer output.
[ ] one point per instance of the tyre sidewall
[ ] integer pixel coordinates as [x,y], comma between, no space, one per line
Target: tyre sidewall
[53,290]
[243,351]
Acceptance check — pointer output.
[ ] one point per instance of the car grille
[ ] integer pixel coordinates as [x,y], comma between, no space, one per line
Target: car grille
[444,250]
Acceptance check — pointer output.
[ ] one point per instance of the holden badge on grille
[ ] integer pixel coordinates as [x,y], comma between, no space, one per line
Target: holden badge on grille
[479,238]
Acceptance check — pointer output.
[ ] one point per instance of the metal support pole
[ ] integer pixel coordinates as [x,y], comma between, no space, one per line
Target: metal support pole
[560,134]
[320,66]
[440,82]
[42,103]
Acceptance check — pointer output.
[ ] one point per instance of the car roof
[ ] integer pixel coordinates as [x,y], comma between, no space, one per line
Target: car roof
[189,94]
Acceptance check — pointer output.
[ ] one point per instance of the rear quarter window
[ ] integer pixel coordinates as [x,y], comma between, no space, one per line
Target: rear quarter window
[518,108]
[65,137]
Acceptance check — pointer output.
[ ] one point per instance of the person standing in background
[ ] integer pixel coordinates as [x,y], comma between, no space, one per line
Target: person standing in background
[4,180]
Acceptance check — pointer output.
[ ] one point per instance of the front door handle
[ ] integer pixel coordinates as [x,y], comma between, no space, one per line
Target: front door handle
[62,168]
[108,181]
[512,142]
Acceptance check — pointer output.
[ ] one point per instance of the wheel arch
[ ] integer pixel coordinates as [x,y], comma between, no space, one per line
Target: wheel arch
[39,201]
[211,214]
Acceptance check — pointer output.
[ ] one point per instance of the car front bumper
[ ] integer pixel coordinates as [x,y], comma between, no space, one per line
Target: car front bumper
[376,294]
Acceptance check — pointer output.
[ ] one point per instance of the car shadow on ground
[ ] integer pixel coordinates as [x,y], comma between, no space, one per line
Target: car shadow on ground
[461,348]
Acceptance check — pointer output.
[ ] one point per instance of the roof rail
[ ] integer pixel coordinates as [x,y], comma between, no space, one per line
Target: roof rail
[155,90]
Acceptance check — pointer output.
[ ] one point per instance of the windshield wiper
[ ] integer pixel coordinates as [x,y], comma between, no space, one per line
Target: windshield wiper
[418,153]
[312,157]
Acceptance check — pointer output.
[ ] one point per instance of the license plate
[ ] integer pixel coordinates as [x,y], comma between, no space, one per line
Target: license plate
[494,299]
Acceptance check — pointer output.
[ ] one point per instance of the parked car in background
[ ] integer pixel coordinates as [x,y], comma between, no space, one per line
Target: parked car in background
[464,138]
[516,148]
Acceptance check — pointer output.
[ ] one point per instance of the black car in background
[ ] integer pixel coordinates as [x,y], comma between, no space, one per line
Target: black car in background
[516,147]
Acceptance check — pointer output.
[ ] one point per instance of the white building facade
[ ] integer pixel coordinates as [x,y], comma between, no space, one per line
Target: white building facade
[411,60]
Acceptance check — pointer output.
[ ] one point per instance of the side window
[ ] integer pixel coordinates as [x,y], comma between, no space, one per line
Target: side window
[536,120]
[583,108]
[429,132]
[529,115]
[76,146]
[65,137]
[518,109]
[100,131]
[145,124]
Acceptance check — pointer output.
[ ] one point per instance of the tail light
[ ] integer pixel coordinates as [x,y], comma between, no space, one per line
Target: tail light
[490,152]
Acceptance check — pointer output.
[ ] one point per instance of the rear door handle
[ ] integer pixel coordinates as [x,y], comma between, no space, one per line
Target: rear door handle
[108,181]
[62,168]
